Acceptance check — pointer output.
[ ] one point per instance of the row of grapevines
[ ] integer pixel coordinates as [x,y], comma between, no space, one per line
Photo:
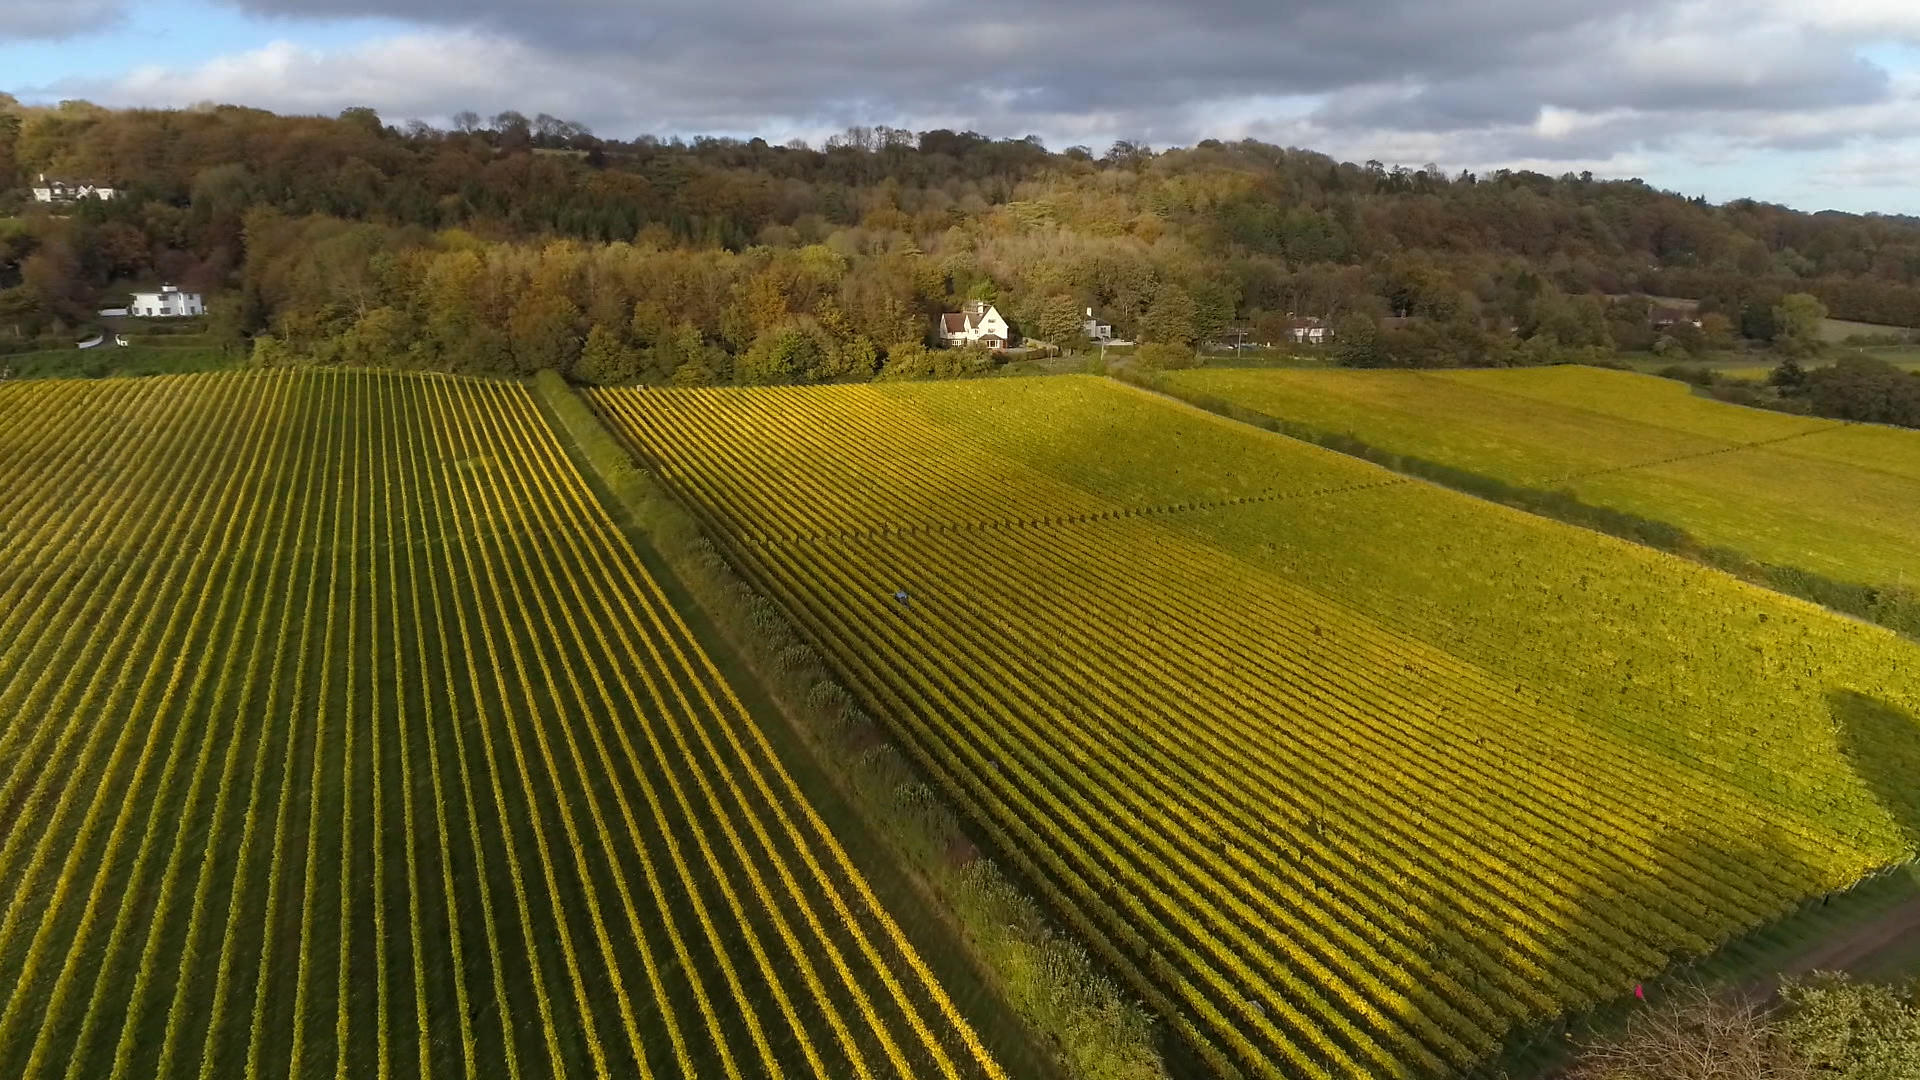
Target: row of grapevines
[783,796]
[370,747]
[57,921]
[1324,845]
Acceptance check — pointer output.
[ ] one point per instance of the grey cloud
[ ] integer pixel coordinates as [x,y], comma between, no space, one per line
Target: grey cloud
[1639,71]
[1825,78]
[1060,56]
[1592,145]
[55,18]
[1672,60]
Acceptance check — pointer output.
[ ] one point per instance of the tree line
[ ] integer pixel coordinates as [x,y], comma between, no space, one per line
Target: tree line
[516,244]
[1856,386]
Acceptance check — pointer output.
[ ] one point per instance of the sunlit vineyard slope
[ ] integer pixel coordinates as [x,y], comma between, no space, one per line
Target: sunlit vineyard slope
[1841,500]
[1348,775]
[342,734]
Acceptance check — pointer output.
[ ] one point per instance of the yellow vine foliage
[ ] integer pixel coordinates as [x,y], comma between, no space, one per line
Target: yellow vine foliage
[1344,773]
[341,730]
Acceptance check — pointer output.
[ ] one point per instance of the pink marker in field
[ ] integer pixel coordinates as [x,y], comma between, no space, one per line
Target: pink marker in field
[1639,992]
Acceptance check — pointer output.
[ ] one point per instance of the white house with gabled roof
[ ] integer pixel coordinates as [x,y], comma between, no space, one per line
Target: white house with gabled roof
[168,303]
[64,191]
[976,323]
[1306,330]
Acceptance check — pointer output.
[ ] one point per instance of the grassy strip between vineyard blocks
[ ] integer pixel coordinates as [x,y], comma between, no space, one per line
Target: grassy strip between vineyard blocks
[1892,606]
[1081,1015]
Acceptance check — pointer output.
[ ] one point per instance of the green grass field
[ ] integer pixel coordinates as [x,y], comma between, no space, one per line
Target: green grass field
[342,733]
[1837,330]
[1839,500]
[112,361]
[1346,774]
[1755,367]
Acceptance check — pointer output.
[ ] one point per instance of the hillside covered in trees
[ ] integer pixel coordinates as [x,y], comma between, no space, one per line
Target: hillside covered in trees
[513,245]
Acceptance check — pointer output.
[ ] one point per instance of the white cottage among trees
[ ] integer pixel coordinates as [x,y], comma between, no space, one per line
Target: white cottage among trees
[1306,330]
[977,323]
[168,303]
[63,191]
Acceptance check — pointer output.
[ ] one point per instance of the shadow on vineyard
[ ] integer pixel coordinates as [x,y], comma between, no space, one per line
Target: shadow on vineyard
[1544,1050]
[1325,810]
[1883,743]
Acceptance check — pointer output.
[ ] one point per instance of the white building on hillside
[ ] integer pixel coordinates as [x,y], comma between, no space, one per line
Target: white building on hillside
[1095,330]
[1306,331]
[976,323]
[1664,317]
[62,191]
[168,303]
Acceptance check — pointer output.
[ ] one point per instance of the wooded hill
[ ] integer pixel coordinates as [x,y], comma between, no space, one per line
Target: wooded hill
[512,245]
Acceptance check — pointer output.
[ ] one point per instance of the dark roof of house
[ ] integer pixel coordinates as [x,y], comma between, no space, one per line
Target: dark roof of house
[953,322]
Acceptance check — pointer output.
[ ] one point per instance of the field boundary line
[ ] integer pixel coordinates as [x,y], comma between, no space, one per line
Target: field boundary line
[1735,448]
[1435,377]
[1564,478]
[1117,513]
[1889,605]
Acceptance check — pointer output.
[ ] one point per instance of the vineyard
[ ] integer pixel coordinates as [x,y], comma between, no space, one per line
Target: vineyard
[341,733]
[1840,500]
[1343,773]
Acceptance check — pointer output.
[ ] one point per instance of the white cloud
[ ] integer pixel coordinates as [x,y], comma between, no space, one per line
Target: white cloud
[1895,166]
[427,74]
[1555,123]
[1896,18]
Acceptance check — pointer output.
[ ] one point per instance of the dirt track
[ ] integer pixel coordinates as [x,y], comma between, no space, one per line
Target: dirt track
[1897,924]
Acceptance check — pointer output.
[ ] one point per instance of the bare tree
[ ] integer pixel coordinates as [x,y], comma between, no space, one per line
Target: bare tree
[548,129]
[1696,1036]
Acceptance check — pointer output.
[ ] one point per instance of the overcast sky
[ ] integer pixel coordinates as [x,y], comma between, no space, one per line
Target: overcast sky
[1814,103]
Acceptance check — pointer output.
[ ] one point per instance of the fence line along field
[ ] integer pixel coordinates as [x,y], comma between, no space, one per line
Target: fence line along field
[1841,500]
[1346,774]
[341,733]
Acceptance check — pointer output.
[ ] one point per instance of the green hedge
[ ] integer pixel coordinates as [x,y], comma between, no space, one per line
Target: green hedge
[1095,1031]
[148,339]
[21,346]
[110,361]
